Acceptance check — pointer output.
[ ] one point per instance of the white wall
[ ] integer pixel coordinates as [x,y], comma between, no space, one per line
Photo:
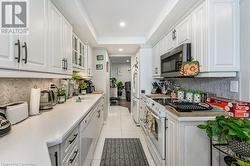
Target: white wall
[121,71]
[101,77]
[245,50]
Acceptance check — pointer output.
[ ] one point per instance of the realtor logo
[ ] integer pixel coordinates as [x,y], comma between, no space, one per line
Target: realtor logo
[14,17]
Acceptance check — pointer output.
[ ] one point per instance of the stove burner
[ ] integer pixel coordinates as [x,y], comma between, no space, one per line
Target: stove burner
[184,106]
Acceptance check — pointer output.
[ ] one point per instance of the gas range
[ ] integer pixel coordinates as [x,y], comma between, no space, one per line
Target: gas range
[183,106]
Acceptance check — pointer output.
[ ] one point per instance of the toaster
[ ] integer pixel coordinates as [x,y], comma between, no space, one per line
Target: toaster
[16,112]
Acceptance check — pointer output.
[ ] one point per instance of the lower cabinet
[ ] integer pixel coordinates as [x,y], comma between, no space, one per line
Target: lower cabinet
[78,148]
[187,145]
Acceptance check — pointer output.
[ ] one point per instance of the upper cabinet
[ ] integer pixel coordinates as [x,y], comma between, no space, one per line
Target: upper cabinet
[45,49]
[82,57]
[212,28]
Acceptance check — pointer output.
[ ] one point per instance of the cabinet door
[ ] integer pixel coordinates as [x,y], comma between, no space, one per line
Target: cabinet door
[223,30]
[171,142]
[33,45]
[183,31]
[67,46]
[156,62]
[90,61]
[54,153]
[55,39]
[169,42]
[8,52]
[199,44]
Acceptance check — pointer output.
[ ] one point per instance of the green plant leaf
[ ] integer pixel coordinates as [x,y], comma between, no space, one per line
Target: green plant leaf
[202,126]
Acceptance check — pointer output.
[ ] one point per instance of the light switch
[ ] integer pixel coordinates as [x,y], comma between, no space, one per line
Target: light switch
[234,86]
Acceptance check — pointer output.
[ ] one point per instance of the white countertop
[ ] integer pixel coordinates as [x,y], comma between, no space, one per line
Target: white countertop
[27,143]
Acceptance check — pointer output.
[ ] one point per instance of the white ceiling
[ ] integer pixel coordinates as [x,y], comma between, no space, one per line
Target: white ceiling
[120,59]
[139,15]
[97,21]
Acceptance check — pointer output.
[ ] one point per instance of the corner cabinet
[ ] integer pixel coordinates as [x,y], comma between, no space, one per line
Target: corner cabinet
[45,50]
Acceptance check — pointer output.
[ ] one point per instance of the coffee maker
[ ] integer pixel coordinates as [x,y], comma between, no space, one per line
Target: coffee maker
[90,87]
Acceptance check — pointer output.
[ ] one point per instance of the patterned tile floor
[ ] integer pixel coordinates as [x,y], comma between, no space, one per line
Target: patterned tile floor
[119,125]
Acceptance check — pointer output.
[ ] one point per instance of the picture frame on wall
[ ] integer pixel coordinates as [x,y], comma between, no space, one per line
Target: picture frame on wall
[99,67]
[99,57]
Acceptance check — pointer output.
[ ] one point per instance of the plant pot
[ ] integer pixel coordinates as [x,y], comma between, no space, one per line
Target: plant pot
[241,148]
[197,98]
[181,95]
[61,99]
[190,97]
[83,92]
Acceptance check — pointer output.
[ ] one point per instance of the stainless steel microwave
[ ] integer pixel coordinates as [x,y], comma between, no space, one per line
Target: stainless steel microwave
[171,62]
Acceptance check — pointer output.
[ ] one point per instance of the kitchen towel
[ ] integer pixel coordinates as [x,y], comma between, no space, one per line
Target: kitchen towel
[34,101]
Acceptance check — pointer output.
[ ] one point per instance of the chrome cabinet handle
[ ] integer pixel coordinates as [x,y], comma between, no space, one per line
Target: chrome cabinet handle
[71,141]
[26,52]
[66,64]
[75,154]
[19,50]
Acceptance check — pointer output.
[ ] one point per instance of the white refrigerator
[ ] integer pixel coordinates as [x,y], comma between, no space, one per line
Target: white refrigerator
[141,79]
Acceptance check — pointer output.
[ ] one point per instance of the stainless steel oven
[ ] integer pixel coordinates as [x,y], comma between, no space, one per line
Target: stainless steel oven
[171,62]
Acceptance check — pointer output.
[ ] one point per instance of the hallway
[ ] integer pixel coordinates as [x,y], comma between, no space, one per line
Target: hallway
[119,125]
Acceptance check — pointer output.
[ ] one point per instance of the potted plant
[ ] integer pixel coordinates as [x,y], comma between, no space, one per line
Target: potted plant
[61,95]
[83,86]
[120,87]
[234,131]
[113,87]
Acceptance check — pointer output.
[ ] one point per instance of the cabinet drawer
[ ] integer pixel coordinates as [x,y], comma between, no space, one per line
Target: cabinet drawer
[67,145]
[73,158]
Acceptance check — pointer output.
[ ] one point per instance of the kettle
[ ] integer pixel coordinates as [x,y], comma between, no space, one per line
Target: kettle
[48,99]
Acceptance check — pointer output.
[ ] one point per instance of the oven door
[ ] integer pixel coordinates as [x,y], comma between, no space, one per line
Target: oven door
[156,127]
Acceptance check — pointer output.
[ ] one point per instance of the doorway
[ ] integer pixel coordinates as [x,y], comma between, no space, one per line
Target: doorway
[120,81]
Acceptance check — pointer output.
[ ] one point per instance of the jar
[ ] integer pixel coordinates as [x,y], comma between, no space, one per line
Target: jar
[181,95]
[197,97]
[190,96]
[61,99]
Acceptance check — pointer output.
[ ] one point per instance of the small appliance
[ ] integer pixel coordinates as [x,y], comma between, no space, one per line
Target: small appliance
[15,112]
[171,62]
[47,99]
[5,125]
[90,87]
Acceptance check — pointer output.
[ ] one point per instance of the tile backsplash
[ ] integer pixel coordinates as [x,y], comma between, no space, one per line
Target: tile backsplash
[12,90]
[218,86]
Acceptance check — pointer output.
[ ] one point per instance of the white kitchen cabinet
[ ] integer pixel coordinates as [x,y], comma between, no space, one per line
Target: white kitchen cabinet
[156,60]
[33,45]
[9,52]
[187,145]
[199,44]
[67,46]
[59,43]
[171,144]
[170,41]
[183,31]
[55,39]
[223,35]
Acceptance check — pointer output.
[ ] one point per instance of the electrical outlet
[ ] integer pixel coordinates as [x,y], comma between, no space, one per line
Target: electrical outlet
[234,86]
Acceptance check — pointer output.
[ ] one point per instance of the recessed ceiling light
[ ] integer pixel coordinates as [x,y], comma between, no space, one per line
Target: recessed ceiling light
[127,61]
[120,49]
[122,24]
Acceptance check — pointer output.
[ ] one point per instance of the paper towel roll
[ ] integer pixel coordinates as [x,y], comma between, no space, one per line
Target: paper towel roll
[34,101]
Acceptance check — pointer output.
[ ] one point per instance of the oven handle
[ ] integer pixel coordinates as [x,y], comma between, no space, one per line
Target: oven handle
[150,110]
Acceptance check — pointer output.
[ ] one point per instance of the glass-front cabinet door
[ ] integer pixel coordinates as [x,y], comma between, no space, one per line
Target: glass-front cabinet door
[75,50]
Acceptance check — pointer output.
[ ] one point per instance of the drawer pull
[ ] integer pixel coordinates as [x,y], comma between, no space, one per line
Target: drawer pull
[56,158]
[75,154]
[71,141]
